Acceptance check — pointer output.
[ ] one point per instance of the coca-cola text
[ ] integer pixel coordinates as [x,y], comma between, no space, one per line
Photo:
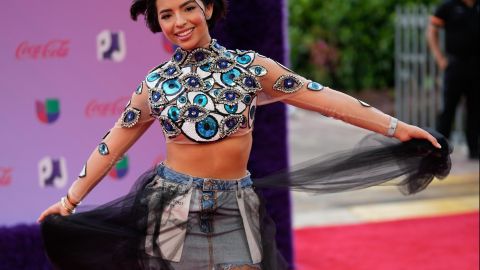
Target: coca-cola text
[100,109]
[56,48]
[5,176]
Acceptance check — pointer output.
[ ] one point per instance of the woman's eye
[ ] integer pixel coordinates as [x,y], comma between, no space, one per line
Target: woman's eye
[190,8]
[164,17]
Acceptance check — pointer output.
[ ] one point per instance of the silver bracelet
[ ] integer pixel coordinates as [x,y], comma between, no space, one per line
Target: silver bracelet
[65,206]
[392,127]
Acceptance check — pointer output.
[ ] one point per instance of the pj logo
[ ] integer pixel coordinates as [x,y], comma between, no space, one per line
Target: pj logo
[111,46]
[52,172]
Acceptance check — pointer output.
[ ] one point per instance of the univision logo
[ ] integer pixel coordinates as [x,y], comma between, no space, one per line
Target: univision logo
[120,169]
[48,111]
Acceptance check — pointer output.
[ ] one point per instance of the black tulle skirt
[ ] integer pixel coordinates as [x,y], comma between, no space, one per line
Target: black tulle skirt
[114,235]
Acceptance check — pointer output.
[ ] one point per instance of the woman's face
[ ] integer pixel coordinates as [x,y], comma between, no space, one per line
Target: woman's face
[184,23]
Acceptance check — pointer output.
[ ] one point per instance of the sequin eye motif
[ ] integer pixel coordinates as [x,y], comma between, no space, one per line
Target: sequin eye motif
[248,82]
[228,78]
[258,71]
[193,113]
[199,57]
[229,96]
[169,127]
[156,98]
[207,128]
[171,87]
[314,86]
[174,113]
[103,149]
[231,124]
[223,64]
[288,84]
[171,71]
[193,82]
[200,100]
[244,59]
[138,91]
[130,117]
[217,47]
[152,77]
[179,56]
[209,83]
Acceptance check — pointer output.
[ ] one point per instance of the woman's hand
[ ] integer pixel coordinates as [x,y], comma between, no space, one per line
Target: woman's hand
[55,208]
[407,132]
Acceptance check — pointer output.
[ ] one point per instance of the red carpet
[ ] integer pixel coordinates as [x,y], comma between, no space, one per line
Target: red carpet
[447,242]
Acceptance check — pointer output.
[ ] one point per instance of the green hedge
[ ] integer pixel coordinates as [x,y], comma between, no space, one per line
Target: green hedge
[346,44]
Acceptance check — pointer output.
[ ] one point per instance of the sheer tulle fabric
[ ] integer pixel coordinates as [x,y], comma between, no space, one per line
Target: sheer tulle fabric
[112,236]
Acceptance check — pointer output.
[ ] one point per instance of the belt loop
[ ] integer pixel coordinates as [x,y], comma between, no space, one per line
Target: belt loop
[239,189]
[160,170]
[190,182]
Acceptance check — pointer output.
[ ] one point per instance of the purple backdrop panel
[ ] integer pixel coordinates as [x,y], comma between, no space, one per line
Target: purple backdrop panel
[67,72]
[260,26]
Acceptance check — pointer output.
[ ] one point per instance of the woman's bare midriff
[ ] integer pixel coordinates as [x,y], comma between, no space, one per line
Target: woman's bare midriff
[226,159]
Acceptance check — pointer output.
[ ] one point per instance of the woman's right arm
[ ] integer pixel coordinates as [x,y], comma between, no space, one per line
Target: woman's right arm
[134,121]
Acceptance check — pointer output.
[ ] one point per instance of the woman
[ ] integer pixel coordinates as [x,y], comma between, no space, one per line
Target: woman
[196,210]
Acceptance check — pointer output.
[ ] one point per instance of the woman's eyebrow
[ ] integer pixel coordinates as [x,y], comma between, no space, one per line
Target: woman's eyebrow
[181,6]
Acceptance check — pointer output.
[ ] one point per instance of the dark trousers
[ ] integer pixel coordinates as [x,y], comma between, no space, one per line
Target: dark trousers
[461,81]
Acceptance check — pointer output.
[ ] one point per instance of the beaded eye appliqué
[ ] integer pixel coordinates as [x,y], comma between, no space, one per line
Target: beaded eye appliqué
[288,83]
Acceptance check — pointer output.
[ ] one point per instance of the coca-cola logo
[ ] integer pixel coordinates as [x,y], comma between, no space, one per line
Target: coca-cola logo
[56,48]
[102,109]
[5,176]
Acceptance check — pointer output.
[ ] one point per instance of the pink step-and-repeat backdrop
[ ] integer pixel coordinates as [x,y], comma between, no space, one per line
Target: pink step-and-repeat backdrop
[67,69]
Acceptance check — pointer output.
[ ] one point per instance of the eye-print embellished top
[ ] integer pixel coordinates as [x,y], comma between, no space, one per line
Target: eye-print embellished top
[209,94]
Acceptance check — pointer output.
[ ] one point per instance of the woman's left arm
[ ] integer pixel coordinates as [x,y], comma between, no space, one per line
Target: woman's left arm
[280,83]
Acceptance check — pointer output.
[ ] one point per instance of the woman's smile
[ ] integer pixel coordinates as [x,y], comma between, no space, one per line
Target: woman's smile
[184,35]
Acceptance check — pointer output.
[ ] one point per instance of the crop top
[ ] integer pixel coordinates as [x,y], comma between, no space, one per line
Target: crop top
[208,94]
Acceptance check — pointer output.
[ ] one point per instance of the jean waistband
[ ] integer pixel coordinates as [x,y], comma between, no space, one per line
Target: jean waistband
[203,183]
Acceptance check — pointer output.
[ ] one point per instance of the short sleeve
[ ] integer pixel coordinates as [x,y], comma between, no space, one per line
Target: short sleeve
[442,13]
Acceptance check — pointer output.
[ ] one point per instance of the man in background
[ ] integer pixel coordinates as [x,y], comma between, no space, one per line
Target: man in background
[461,64]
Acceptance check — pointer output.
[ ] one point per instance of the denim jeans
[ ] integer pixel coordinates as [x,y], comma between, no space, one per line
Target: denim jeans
[210,224]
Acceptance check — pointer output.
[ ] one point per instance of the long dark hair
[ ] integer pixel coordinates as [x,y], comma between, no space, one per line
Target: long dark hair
[149,10]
